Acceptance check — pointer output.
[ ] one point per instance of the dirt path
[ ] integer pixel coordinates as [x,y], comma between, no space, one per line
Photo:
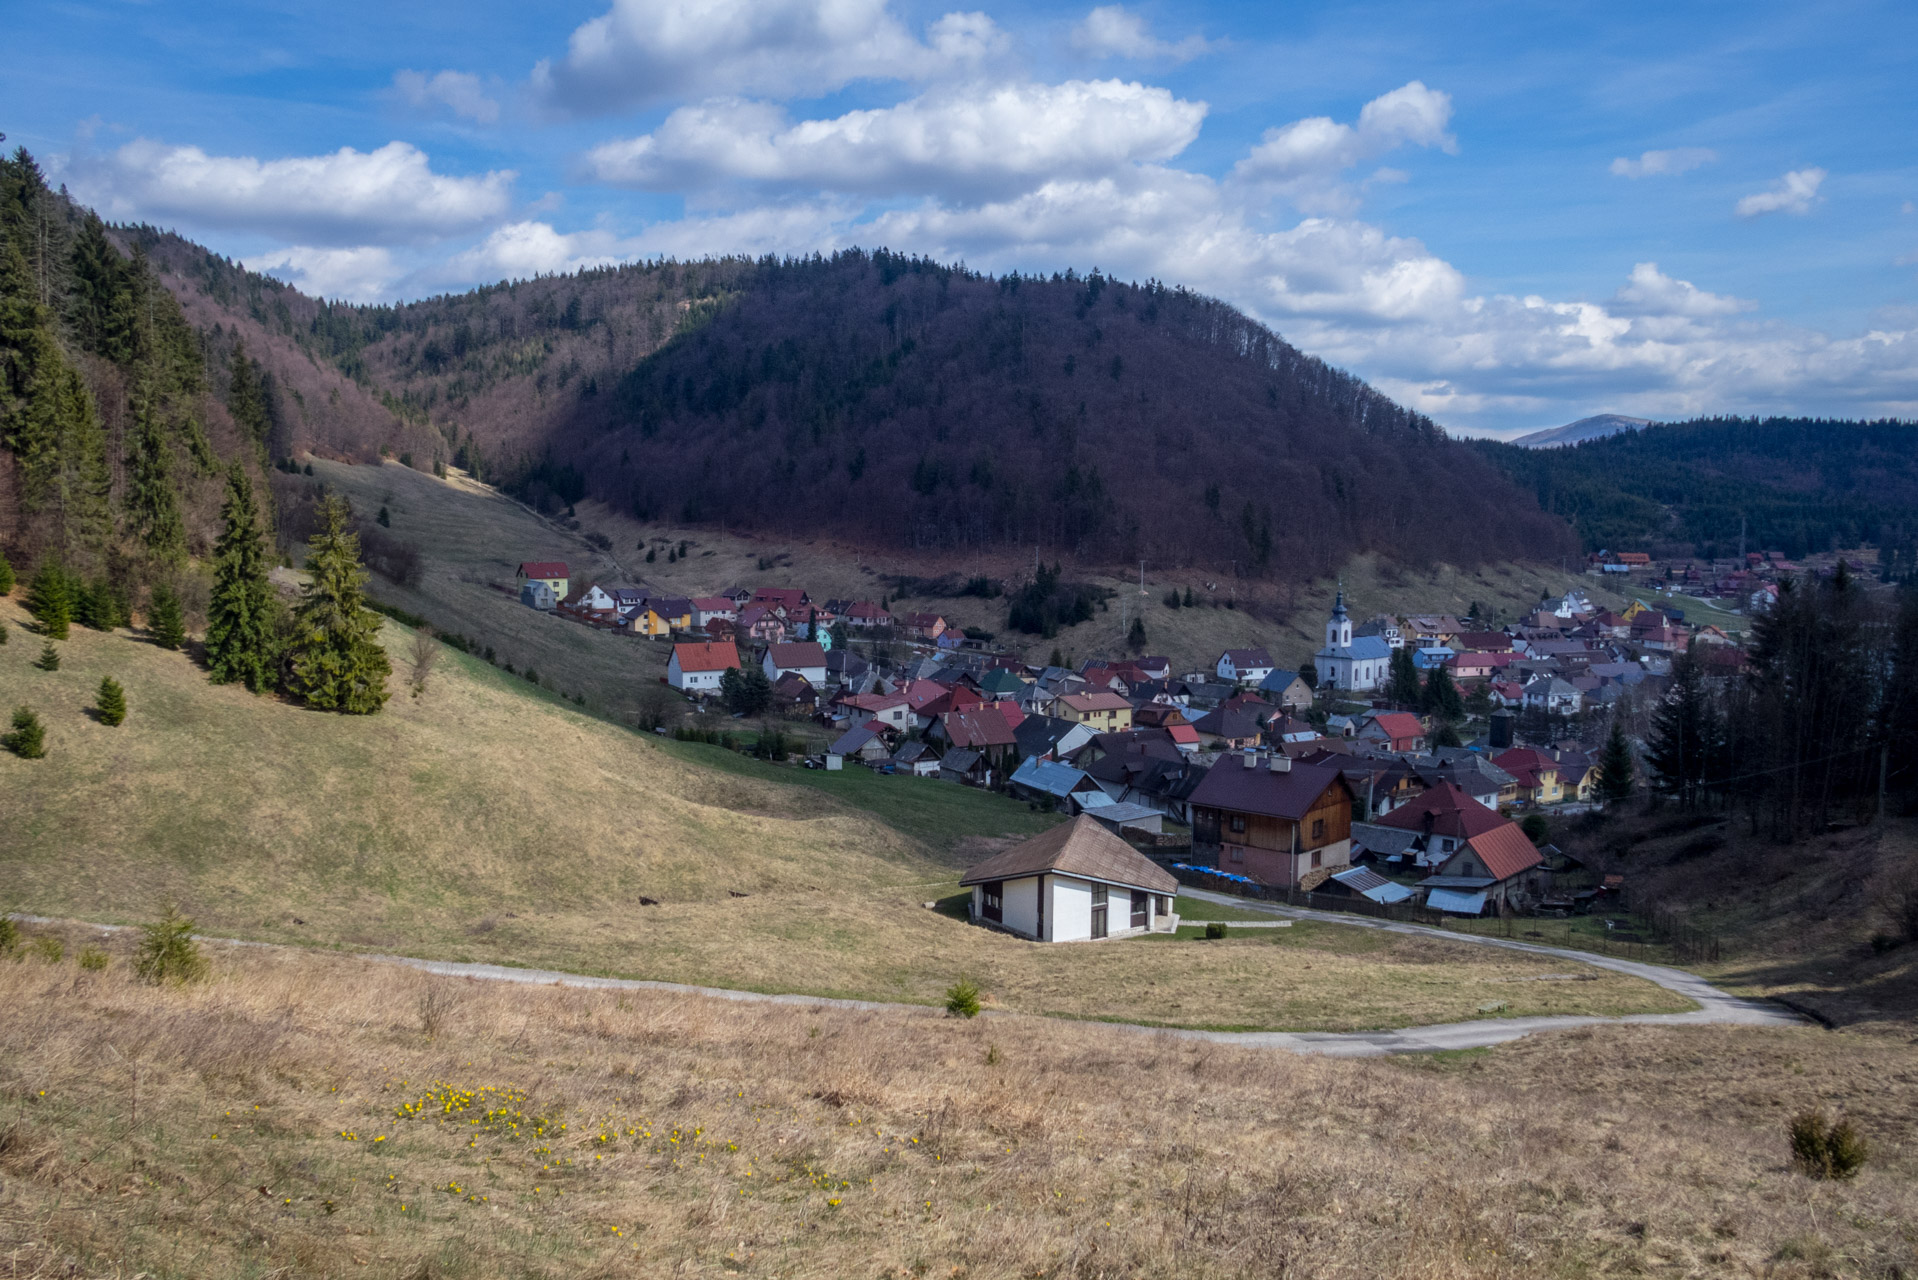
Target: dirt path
[1714,1006]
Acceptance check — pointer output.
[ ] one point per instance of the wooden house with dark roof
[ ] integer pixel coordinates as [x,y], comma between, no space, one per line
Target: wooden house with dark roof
[1271,819]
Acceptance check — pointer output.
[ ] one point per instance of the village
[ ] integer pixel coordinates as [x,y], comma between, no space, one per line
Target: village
[1411,767]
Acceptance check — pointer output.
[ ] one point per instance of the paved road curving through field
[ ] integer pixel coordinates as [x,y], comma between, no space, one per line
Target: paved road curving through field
[1714,1006]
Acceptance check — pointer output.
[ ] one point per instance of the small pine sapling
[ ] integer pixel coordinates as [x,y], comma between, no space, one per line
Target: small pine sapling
[962,999]
[165,621]
[112,701]
[29,737]
[49,659]
[6,577]
[168,952]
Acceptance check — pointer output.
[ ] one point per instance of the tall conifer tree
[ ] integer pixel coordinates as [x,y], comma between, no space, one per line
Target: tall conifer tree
[337,663]
[153,503]
[239,626]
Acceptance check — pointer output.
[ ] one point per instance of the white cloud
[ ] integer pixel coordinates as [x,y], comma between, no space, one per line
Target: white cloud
[655,50]
[1304,162]
[1651,292]
[1667,164]
[520,250]
[1113,31]
[366,273]
[458,91]
[971,143]
[1796,192]
[346,198]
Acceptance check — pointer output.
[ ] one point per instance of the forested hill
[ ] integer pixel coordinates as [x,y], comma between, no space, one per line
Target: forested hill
[895,401]
[872,397]
[1796,485]
[112,438]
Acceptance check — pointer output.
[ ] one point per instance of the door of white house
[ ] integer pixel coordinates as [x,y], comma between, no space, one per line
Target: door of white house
[1138,908]
[1098,911]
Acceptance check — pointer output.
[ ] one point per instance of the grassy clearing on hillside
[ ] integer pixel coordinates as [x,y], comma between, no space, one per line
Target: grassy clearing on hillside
[295,1116]
[481,823]
[939,813]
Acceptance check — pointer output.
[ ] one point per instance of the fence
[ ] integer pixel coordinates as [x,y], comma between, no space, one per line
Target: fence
[1401,911]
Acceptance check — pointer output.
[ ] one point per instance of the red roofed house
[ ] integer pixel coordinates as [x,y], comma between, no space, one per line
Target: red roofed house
[922,626]
[783,601]
[806,658]
[1483,642]
[1395,730]
[707,608]
[1538,775]
[866,614]
[697,668]
[890,709]
[1445,818]
[551,572]
[986,730]
[1271,819]
[759,622]
[1494,869]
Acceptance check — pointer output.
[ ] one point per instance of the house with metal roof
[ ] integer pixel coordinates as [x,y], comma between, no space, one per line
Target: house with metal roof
[1075,883]
[1274,820]
[1363,882]
[1054,783]
[1348,662]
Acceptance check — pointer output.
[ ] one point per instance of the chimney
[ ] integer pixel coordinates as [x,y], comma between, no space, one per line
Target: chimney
[1251,759]
[1281,762]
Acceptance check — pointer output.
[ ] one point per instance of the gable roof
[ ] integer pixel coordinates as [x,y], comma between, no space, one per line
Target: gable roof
[709,655]
[1049,776]
[1243,658]
[1103,700]
[1451,812]
[543,569]
[1081,847]
[1227,723]
[979,727]
[1398,724]
[1230,785]
[806,653]
[1505,851]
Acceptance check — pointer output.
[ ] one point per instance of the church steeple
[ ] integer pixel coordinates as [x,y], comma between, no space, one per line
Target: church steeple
[1338,628]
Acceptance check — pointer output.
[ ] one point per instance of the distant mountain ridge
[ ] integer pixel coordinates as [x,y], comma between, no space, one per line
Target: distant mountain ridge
[1596,427]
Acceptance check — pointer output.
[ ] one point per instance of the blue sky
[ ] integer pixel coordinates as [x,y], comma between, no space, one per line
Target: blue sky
[1507,215]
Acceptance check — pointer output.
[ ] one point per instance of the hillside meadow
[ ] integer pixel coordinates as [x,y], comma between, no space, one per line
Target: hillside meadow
[486,821]
[315,1116]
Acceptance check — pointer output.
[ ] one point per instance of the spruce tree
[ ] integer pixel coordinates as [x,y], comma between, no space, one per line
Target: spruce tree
[50,598]
[112,701]
[1403,685]
[1615,768]
[1135,638]
[6,577]
[336,661]
[1440,696]
[49,659]
[239,626]
[246,395]
[152,500]
[165,622]
[3,633]
[1683,735]
[1309,673]
[29,737]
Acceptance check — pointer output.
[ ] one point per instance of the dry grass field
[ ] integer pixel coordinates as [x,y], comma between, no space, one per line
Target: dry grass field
[483,821]
[304,1116]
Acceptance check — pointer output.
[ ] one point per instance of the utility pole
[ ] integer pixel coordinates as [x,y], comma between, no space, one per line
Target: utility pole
[1884,765]
[1141,577]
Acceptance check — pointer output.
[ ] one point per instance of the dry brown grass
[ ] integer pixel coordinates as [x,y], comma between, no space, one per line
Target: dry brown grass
[830,1143]
[479,822]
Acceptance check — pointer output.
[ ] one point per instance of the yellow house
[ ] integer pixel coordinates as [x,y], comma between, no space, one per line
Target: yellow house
[644,620]
[1632,610]
[551,572]
[1538,775]
[1102,712]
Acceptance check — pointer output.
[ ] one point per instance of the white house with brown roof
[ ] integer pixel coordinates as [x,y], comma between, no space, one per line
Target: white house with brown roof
[1249,666]
[1076,883]
[698,668]
[806,658]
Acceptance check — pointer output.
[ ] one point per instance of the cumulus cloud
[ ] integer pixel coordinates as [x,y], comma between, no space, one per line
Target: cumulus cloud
[520,250]
[343,199]
[364,273]
[1114,31]
[458,91]
[654,50]
[1664,164]
[1796,192]
[1305,161]
[970,143]
[1651,292]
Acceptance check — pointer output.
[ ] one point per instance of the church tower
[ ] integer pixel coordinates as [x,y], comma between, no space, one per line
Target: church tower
[1338,628]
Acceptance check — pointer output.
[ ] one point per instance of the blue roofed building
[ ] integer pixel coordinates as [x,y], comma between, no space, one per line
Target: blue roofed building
[1353,664]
